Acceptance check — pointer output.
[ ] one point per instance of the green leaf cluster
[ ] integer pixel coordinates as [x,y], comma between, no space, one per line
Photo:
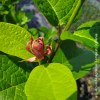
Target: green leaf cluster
[50,81]
[55,12]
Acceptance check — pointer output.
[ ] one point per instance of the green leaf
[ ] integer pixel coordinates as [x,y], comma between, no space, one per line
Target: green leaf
[13,40]
[90,29]
[60,57]
[51,82]
[81,37]
[55,12]
[79,62]
[75,58]
[13,75]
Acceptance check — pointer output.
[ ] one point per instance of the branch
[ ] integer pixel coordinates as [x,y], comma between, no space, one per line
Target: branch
[77,8]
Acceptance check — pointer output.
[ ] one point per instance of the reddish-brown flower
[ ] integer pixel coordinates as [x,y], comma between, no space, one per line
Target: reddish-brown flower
[37,48]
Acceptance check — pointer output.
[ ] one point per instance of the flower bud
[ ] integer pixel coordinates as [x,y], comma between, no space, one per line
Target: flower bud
[36,47]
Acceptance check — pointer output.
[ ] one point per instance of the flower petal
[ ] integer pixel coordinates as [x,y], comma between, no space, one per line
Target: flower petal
[49,48]
[31,59]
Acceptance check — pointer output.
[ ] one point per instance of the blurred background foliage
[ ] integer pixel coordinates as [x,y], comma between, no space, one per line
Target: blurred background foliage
[16,12]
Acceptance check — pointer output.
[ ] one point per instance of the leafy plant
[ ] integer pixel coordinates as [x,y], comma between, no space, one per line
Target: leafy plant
[27,72]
